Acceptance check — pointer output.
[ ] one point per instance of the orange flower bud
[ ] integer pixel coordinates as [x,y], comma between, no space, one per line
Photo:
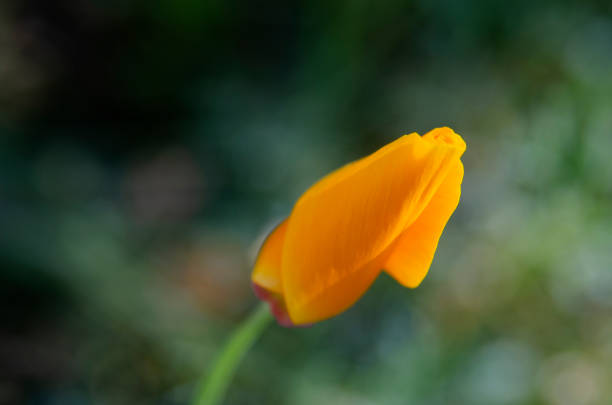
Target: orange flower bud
[384,212]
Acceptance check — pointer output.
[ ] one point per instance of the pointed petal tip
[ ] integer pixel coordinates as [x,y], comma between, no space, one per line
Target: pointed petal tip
[447,136]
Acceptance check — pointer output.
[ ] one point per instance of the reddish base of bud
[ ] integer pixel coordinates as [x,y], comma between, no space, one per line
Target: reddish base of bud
[277,306]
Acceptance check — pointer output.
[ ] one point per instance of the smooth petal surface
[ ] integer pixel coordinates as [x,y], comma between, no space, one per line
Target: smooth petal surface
[414,250]
[341,231]
[267,270]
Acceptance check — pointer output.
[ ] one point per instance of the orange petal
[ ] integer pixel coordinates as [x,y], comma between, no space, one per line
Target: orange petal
[267,270]
[340,230]
[414,250]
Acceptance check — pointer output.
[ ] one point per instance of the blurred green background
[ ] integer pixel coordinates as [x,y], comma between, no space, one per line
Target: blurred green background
[147,146]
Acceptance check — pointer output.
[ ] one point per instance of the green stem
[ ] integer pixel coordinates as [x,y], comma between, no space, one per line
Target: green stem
[212,387]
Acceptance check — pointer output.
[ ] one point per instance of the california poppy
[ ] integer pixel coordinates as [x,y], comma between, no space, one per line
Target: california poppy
[384,212]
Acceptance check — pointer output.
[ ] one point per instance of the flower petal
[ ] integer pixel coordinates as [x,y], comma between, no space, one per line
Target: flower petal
[414,250]
[267,270]
[338,295]
[340,230]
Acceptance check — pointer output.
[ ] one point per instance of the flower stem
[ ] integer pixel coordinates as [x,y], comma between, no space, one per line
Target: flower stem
[212,386]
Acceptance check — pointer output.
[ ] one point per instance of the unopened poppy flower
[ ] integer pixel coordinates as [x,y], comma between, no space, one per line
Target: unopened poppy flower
[384,212]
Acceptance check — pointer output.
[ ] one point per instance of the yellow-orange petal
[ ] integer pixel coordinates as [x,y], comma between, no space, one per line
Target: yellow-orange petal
[341,228]
[414,250]
[267,270]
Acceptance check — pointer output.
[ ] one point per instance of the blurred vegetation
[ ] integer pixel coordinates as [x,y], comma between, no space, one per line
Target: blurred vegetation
[146,147]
